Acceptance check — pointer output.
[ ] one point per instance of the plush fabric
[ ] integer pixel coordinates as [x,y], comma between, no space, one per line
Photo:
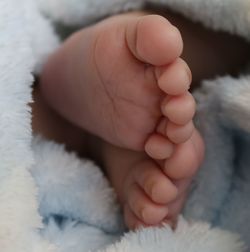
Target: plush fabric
[50,200]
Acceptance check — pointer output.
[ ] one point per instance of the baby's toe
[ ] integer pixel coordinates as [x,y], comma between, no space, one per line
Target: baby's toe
[184,162]
[174,79]
[179,109]
[132,222]
[175,207]
[179,134]
[159,147]
[143,208]
[158,187]
[154,30]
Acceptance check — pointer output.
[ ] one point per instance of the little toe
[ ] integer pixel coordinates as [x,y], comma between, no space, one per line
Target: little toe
[132,222]
[174,79]
[184,162]
[143,208]
[179,134]
[154,30]
[179,109]
[159,147]
[175,207]
[158,187]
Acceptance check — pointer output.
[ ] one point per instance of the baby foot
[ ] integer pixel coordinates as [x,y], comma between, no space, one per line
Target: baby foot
[123,81]
[152,192]
[117,79]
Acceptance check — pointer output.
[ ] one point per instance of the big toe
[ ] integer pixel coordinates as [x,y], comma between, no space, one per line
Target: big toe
[154,40]
[186,158]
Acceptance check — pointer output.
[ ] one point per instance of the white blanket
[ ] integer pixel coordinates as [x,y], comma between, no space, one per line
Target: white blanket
[50,200]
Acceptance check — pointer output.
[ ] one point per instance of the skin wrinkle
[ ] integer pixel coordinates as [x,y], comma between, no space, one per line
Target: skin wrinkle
[136,40]
[130,50]
[111,99]
[114,98]
[146,65]
[151,70]
[115,113]
[134,55]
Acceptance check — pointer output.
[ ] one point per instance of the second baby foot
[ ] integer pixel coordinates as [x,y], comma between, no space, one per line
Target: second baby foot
[152,192]
[119,78]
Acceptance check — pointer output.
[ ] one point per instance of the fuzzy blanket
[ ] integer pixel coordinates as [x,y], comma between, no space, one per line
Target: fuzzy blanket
[51,201]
